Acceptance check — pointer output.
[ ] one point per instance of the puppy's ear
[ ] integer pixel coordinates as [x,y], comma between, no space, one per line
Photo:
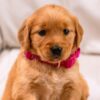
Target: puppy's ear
[24,35]
[78,31]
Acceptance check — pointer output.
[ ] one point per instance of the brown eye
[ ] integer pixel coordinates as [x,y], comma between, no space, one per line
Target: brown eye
[66,31]
[42,33]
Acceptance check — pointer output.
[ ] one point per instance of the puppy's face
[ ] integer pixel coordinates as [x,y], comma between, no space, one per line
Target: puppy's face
[52,33]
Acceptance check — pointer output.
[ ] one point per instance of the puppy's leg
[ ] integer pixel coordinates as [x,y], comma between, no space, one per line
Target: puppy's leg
[23,95]
[8,89]
[85,92]
[21,92]
[26,97]
[71,91]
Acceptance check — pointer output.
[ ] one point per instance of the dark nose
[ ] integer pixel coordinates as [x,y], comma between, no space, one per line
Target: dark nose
[56,51]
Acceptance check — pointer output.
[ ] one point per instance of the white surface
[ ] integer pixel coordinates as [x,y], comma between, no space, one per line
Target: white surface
[89,65]
[14,12]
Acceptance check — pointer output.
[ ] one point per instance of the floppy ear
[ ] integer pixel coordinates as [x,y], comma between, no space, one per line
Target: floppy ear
[78,31]
[24,35]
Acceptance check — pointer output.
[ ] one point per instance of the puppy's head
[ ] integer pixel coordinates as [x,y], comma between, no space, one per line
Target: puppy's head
[52,33]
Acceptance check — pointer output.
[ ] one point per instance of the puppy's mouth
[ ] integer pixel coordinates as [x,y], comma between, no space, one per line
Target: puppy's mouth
[49,57]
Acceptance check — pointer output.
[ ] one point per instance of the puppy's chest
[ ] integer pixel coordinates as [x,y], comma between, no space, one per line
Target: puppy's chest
[50,85]
[51,80]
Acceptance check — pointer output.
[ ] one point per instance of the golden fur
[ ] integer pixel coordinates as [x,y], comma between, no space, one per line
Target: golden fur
[33,80]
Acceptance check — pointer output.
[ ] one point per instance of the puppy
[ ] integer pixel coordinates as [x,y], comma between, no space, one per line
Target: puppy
[44,69]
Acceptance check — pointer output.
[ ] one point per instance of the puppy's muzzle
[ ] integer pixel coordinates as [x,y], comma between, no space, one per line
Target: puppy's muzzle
[56,51]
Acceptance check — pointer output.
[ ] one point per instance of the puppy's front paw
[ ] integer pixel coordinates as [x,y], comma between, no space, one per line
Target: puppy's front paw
[71,92]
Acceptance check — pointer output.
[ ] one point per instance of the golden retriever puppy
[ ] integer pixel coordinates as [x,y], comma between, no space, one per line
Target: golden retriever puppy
[47,66]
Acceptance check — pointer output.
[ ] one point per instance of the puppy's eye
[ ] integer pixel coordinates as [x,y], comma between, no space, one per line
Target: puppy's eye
[66,31]
[42,33]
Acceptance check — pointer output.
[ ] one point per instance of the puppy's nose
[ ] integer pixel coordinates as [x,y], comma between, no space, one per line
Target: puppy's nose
[56,51]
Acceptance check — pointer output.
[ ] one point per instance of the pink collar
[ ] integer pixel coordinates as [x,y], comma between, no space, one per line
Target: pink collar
[66,63]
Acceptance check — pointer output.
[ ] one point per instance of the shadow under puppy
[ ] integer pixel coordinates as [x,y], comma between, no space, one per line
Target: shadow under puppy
[47,66]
